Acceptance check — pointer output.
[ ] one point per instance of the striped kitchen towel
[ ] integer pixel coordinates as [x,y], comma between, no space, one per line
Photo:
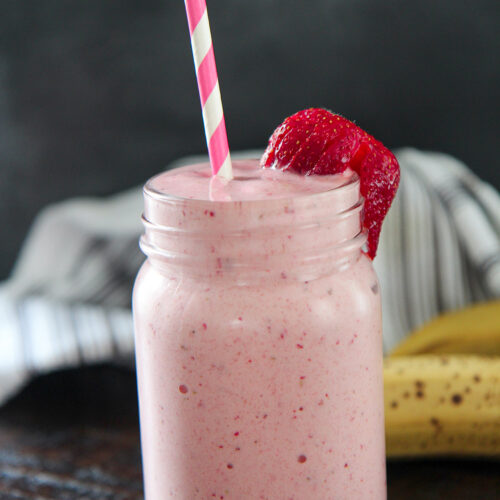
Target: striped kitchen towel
[67,302]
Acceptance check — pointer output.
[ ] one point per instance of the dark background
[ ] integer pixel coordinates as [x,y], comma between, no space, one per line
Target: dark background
[96,96]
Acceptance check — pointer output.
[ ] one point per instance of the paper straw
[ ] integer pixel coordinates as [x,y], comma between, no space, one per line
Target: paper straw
[208,85]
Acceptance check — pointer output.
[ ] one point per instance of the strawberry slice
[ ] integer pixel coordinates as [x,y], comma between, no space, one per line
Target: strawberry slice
[317,142]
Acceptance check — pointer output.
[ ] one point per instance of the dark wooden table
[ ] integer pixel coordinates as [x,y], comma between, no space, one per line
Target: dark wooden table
[74,435]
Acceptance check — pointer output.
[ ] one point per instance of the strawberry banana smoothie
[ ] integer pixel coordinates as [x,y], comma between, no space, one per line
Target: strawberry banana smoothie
[258,337]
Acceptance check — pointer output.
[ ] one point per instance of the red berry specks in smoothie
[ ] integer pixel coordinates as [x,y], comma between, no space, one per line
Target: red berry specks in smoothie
[317,142]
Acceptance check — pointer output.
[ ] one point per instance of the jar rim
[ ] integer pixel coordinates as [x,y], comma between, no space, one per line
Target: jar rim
[149,191]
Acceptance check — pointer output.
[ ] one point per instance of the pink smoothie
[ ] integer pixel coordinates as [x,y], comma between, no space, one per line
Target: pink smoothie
[258,339]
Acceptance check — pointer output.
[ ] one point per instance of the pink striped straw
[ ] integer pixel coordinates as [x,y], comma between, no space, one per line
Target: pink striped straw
[208,85]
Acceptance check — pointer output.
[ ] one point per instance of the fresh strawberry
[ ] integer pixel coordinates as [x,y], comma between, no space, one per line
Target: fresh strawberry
[316,141]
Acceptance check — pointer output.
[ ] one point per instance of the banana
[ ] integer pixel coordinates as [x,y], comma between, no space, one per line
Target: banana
[442,405]
[473,330]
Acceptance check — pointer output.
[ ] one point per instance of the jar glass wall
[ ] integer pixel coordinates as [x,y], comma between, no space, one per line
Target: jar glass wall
[259,350]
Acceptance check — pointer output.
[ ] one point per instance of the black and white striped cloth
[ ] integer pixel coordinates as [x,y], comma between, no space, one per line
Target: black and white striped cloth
[68,299]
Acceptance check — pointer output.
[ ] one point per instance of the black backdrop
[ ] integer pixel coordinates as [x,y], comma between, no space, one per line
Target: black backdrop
[96,96]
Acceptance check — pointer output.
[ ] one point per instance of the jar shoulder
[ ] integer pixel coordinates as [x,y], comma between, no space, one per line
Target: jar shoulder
[355,289]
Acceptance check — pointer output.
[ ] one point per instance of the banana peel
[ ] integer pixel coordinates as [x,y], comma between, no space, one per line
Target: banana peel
[472,330]
[442,405]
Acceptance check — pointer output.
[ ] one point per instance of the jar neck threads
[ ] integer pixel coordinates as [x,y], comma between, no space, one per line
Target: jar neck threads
[300,238]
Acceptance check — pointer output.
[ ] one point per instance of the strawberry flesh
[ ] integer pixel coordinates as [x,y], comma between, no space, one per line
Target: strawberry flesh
[317,142]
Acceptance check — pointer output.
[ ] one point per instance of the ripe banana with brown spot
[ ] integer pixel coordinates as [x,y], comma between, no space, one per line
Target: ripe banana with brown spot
[473,330]
[442,405]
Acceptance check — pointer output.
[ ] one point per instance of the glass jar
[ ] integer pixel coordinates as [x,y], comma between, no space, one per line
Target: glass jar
[259,349]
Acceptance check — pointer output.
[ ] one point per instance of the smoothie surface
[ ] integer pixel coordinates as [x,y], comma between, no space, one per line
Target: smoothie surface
[251,182]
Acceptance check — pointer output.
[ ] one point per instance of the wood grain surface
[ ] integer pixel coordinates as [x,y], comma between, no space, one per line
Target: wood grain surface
[74,435]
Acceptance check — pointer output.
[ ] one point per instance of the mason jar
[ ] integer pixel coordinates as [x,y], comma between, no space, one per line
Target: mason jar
[259,348]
